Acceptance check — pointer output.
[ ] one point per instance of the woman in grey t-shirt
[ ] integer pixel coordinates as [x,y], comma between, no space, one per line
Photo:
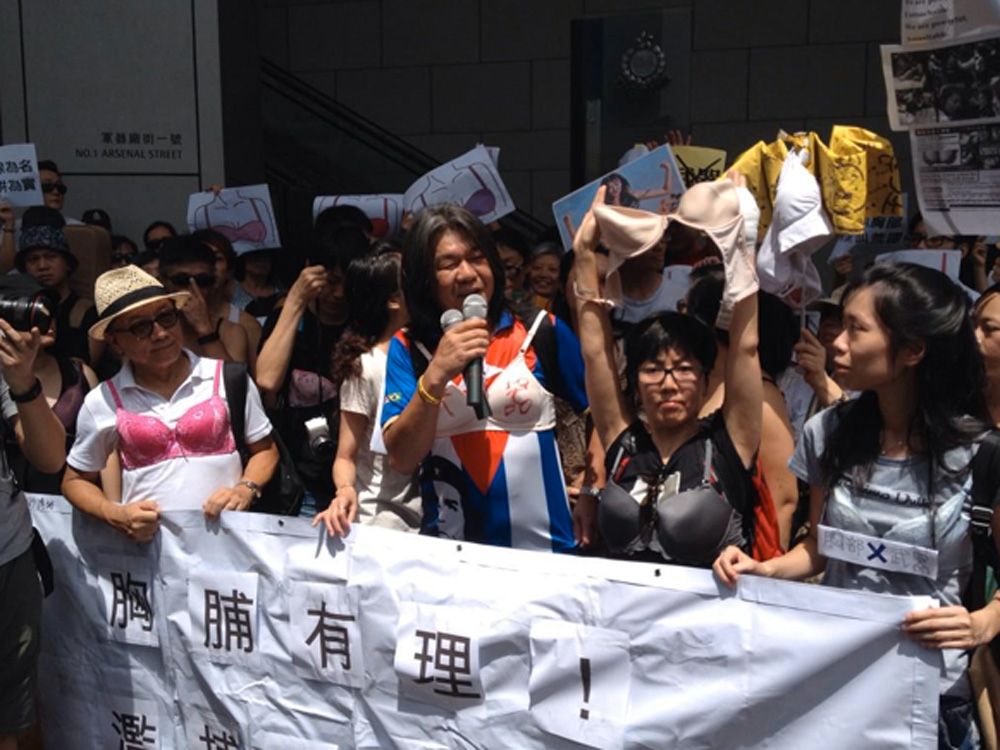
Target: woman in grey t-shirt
[890,486]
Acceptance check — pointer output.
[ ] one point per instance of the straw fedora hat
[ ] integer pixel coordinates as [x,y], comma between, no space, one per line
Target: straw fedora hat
[122,290]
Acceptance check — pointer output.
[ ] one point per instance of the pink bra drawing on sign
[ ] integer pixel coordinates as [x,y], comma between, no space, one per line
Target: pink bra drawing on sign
[253,230]
[203,430]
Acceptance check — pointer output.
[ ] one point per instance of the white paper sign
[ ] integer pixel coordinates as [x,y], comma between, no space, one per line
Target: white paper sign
[126,585]
[938,20]
[948,262]
[223,610]
[326,639]
[579,683]
[471,180]
[437,655]
[244,215]
[875,552]
[20,184]
[385,210]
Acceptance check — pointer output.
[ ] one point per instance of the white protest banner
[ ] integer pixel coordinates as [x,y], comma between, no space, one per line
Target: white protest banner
[938,20]
[652,182]
[20,184]
[385,210]
[692,664]
[243,214]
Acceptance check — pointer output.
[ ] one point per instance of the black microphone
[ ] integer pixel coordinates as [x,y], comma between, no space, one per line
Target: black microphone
[475,307]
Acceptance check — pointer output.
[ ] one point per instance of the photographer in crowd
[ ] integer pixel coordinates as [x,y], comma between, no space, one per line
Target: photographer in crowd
[41,438]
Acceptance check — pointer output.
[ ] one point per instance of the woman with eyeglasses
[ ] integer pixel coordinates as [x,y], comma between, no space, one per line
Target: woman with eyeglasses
[166,416]
[679,487]
[188,265]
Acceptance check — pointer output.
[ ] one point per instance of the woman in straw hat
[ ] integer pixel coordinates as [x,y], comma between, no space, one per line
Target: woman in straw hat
[165,414]
[679,488]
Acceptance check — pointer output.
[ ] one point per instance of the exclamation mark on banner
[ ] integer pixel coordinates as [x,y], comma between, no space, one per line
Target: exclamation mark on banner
[585,676]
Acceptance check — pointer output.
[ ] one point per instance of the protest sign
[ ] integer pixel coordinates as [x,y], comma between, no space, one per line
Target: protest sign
[941,82]
[470,180]
[244,215]
[504,648]
[938,20]
[699,164]
[385,210]
[652,182]
[20,184]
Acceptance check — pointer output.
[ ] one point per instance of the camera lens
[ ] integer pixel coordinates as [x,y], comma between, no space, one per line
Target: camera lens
[25,313]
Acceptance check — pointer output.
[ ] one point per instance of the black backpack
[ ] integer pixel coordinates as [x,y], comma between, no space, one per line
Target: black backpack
[283,494]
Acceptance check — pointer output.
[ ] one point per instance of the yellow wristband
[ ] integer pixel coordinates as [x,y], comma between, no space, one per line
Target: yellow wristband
[427,397]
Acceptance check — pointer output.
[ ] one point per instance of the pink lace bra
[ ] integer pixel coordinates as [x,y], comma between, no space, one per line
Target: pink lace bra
[203,430]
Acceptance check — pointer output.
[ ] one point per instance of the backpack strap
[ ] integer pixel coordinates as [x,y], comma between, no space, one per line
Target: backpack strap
[234,376]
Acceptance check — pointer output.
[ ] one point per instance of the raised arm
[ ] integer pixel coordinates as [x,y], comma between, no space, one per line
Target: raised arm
[410,434]
[40,434]
[608,408]
[742,408]
[275,356]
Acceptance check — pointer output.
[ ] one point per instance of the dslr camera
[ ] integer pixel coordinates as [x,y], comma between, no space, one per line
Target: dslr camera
[25,312]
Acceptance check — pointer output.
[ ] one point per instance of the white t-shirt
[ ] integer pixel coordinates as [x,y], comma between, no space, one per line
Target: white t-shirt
[385,497]
[182,483]
[673,288]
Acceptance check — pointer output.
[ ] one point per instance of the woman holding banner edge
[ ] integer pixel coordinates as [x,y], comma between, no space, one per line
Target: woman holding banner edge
[894,467]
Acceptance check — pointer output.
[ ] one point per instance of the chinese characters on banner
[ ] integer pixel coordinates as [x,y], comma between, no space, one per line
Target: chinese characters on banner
[223,610]
[127,587]
[326,639]
[384,639]
[131,724]
[20,184]
[437,655]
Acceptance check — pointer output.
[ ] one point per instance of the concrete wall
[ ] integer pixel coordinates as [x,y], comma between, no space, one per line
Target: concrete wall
[447,73]
[125,97]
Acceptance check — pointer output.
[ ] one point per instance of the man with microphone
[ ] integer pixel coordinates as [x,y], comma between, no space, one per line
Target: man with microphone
[469,395]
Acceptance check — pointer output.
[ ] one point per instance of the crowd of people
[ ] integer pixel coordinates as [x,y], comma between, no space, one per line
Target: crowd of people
[617,419]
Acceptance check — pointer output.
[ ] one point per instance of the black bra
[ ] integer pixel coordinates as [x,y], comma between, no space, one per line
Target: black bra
[690,527]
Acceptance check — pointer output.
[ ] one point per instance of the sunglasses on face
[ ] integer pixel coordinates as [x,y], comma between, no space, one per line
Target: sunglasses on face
[143,329]
[54,187]
[155,245]
[183,280]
